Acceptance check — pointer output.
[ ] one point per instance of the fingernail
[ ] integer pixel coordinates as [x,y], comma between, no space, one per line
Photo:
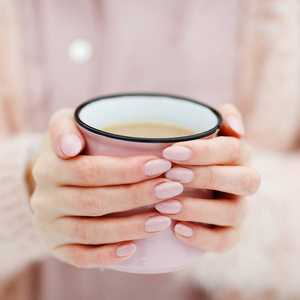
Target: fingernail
[168,190]
[236,124]
[184,230]
[169,206]
[71,144]
[126,250]
[158,223]
[179,153]
[183,175]
[156,167]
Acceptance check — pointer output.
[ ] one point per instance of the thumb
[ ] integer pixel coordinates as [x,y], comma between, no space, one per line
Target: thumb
[232,121]
[66,139]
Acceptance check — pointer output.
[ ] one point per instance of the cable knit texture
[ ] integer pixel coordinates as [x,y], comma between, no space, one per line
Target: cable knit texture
[268,257]
[19,240]
[12,110]
[270,63]
[16,227]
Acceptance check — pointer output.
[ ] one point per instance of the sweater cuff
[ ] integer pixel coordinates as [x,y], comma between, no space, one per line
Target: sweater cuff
[267,258]
[19,239]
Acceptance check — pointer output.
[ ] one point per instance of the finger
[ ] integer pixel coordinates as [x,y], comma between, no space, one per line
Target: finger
[232,121]
[84,256]
[105,230]
[74,201]
[210,239]
[221,212]
[238,180]
[66,139]
[97,170]
[217,151]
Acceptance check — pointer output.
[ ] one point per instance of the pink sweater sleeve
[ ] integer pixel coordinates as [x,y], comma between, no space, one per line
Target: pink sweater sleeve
[268,255]
[19,243]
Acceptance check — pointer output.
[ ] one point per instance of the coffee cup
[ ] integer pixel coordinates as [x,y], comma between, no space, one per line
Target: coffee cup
[100,120]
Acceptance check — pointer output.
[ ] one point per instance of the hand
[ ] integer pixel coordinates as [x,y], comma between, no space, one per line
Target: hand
[218,164]
[75,193]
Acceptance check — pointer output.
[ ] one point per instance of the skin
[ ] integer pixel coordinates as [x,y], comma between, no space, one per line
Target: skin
[72,195]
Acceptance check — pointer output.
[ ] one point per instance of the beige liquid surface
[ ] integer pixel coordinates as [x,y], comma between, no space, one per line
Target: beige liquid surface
[148,130]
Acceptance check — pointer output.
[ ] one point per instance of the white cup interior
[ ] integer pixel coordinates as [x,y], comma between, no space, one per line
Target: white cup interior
[110,111]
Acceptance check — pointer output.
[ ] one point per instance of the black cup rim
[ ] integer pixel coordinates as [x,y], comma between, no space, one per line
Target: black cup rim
[148,140]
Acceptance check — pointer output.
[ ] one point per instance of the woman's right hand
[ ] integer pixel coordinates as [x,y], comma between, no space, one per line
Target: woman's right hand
[74,194]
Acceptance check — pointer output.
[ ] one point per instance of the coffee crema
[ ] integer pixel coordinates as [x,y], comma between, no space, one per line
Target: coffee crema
[148,130]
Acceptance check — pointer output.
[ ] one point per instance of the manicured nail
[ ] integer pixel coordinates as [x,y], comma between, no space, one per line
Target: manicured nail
[183,175]
[156,167]
[168,190]
[125,250]
[71,144]
[158,223]
[236,124]
[178,153]
[184,230]
[169,206]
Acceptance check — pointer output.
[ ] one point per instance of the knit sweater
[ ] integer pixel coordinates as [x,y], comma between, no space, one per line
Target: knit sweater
[267,257]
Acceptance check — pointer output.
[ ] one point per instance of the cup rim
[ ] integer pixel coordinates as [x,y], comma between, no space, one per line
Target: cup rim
[147,140]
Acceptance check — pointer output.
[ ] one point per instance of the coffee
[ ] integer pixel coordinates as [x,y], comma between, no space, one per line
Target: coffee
[149,130]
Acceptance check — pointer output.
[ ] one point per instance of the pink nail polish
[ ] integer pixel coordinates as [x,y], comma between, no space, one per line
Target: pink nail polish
[156,167]
[184,230]
[71,144]
[125,250]
[183,175]
[157,223]
[178,153]
[168,190]
[236,124]
[169,206]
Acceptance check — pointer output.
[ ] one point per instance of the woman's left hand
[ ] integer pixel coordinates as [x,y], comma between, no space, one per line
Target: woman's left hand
[219,164]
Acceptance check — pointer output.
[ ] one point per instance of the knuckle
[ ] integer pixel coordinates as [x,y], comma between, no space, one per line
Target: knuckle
[137,195]
[233,215]
[55,116]
[195,210]
[236,149]
[44,166]
[36,170]
[53,119]
[210,177]
[59,114]
[252,182]
[35,203]
[124,168]
[38,204]
[205,147]
[86,170]
[39,168]
[83,232]
[127,170]
[87,204]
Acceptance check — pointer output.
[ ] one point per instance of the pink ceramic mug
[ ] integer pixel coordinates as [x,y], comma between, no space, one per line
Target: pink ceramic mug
[162,252]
